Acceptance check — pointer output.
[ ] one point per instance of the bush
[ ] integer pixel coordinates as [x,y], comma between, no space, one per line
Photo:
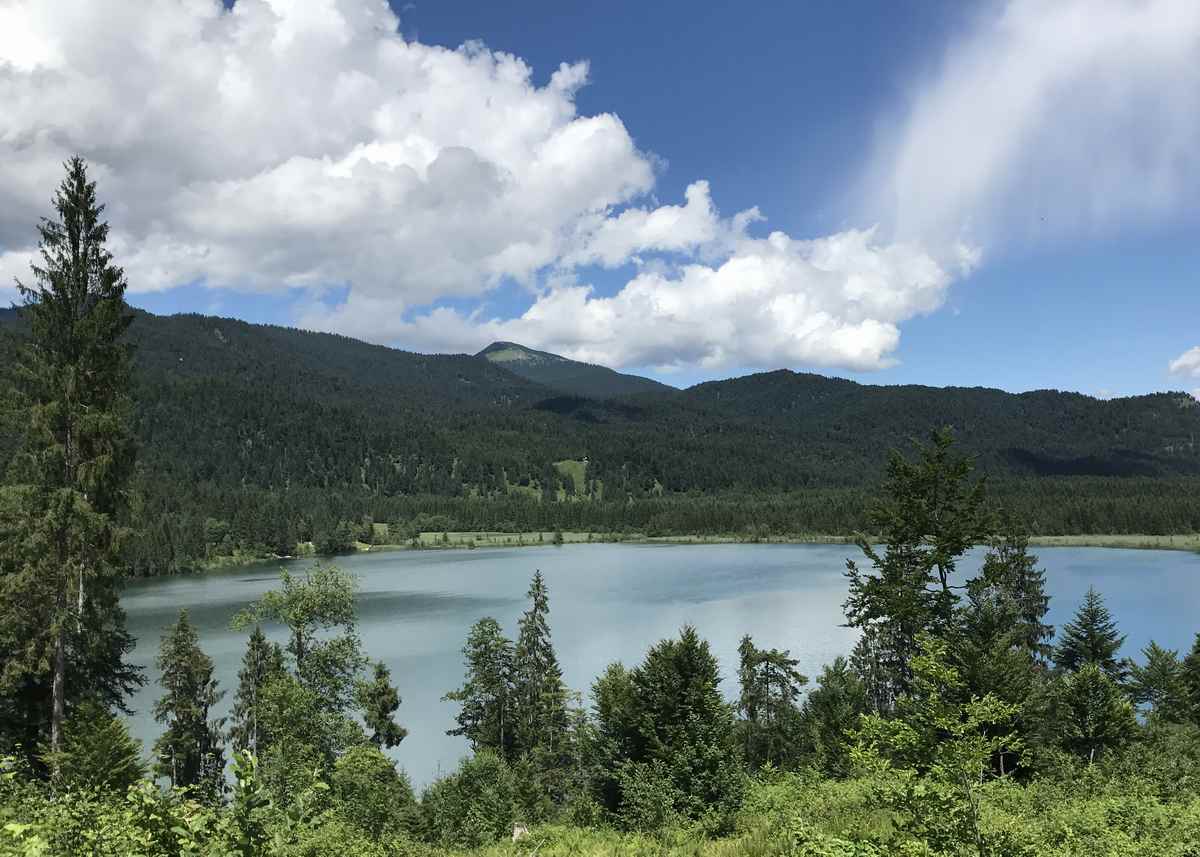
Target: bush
[473,806]
[371,795]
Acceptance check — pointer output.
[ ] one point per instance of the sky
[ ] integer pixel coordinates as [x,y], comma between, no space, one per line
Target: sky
[980,194]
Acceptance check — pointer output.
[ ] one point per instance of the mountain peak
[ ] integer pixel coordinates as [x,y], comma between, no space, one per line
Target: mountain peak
[565,375]
[505,353]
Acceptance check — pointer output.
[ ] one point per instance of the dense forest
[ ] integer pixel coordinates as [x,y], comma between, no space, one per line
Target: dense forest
[961,723]
[254,440]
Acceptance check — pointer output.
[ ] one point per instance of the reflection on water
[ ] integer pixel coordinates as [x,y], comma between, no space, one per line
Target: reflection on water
[611,602]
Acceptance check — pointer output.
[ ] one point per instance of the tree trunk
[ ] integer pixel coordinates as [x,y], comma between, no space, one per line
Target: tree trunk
[58,693]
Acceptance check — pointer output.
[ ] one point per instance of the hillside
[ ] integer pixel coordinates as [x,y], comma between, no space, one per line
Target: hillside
[255,437]
[567,376]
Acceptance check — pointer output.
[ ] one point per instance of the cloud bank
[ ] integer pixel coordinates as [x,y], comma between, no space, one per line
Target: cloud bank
[306,144]
[1047,119]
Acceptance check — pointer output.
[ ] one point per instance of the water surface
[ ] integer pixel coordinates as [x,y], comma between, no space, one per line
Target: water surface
[611,602]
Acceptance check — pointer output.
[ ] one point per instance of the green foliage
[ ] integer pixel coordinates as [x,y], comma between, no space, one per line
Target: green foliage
[62,631]
[829,710]
[684,730]
[1159,683]
[929,514]
[318,610]
[930,761]
[540,697]
[262,663]
[97,753]
[379,700]
[770,687]
[371,794]
[189,752]
[1093,714]
[1092,638]
[473,806]
[485,718]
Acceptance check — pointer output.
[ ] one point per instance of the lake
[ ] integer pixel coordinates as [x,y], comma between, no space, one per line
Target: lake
[610,602]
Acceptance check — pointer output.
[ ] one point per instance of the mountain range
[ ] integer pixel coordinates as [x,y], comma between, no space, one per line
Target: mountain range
[225,409]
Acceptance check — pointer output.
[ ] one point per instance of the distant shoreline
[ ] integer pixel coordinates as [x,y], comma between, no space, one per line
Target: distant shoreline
[478,540]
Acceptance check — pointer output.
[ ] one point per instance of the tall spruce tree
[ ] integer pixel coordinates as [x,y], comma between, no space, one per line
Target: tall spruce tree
[540,696]
[189,752]
[486,697]
[262,663]
[929,513]
[1160,684]
[63,637]
[1091,638]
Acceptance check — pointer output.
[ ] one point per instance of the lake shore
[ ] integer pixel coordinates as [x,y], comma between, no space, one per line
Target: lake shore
[481,539]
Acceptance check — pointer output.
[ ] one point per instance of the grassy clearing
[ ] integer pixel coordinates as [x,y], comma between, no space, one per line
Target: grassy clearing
[1183,542]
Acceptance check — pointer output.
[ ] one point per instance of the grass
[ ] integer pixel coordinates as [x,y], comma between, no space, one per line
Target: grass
[1183,542]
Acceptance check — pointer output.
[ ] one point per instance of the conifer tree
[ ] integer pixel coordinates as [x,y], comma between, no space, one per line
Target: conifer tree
[1160,684]
[63,636]
[929,513]
[1092,638]
[189,752]
[770,686]
[829,710]
[683,733]
[379,700]
[486,696]
[540,697]
[262,663]
[1191,681]
[1094,716]
[97,753]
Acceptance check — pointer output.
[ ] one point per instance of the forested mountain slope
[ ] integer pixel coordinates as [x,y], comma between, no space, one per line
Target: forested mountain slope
[567,376]
[256,435]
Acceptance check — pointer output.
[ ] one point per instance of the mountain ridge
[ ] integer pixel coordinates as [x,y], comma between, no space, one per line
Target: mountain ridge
[567,376]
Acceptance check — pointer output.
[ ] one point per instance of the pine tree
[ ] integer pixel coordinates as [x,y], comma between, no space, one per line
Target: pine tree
[1092,638]
[379,699]
[540,697]
[770,686]
[1160,684]
[486,696]
[262,663]
[189,752]
[63,637]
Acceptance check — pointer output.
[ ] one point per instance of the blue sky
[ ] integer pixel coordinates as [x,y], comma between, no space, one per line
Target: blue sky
[1029,176]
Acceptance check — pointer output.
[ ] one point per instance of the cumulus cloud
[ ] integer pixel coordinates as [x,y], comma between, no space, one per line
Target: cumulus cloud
[835,301]
[308,145]
[1187,363]
[284,144]
[1056,119]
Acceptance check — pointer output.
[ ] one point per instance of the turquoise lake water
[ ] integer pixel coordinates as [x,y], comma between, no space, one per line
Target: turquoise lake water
[610,602]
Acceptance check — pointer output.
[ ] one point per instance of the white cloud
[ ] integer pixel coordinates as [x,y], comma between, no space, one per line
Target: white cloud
[1187,363]
[836,301]
[291,143]
[305,143]
[1048,119]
